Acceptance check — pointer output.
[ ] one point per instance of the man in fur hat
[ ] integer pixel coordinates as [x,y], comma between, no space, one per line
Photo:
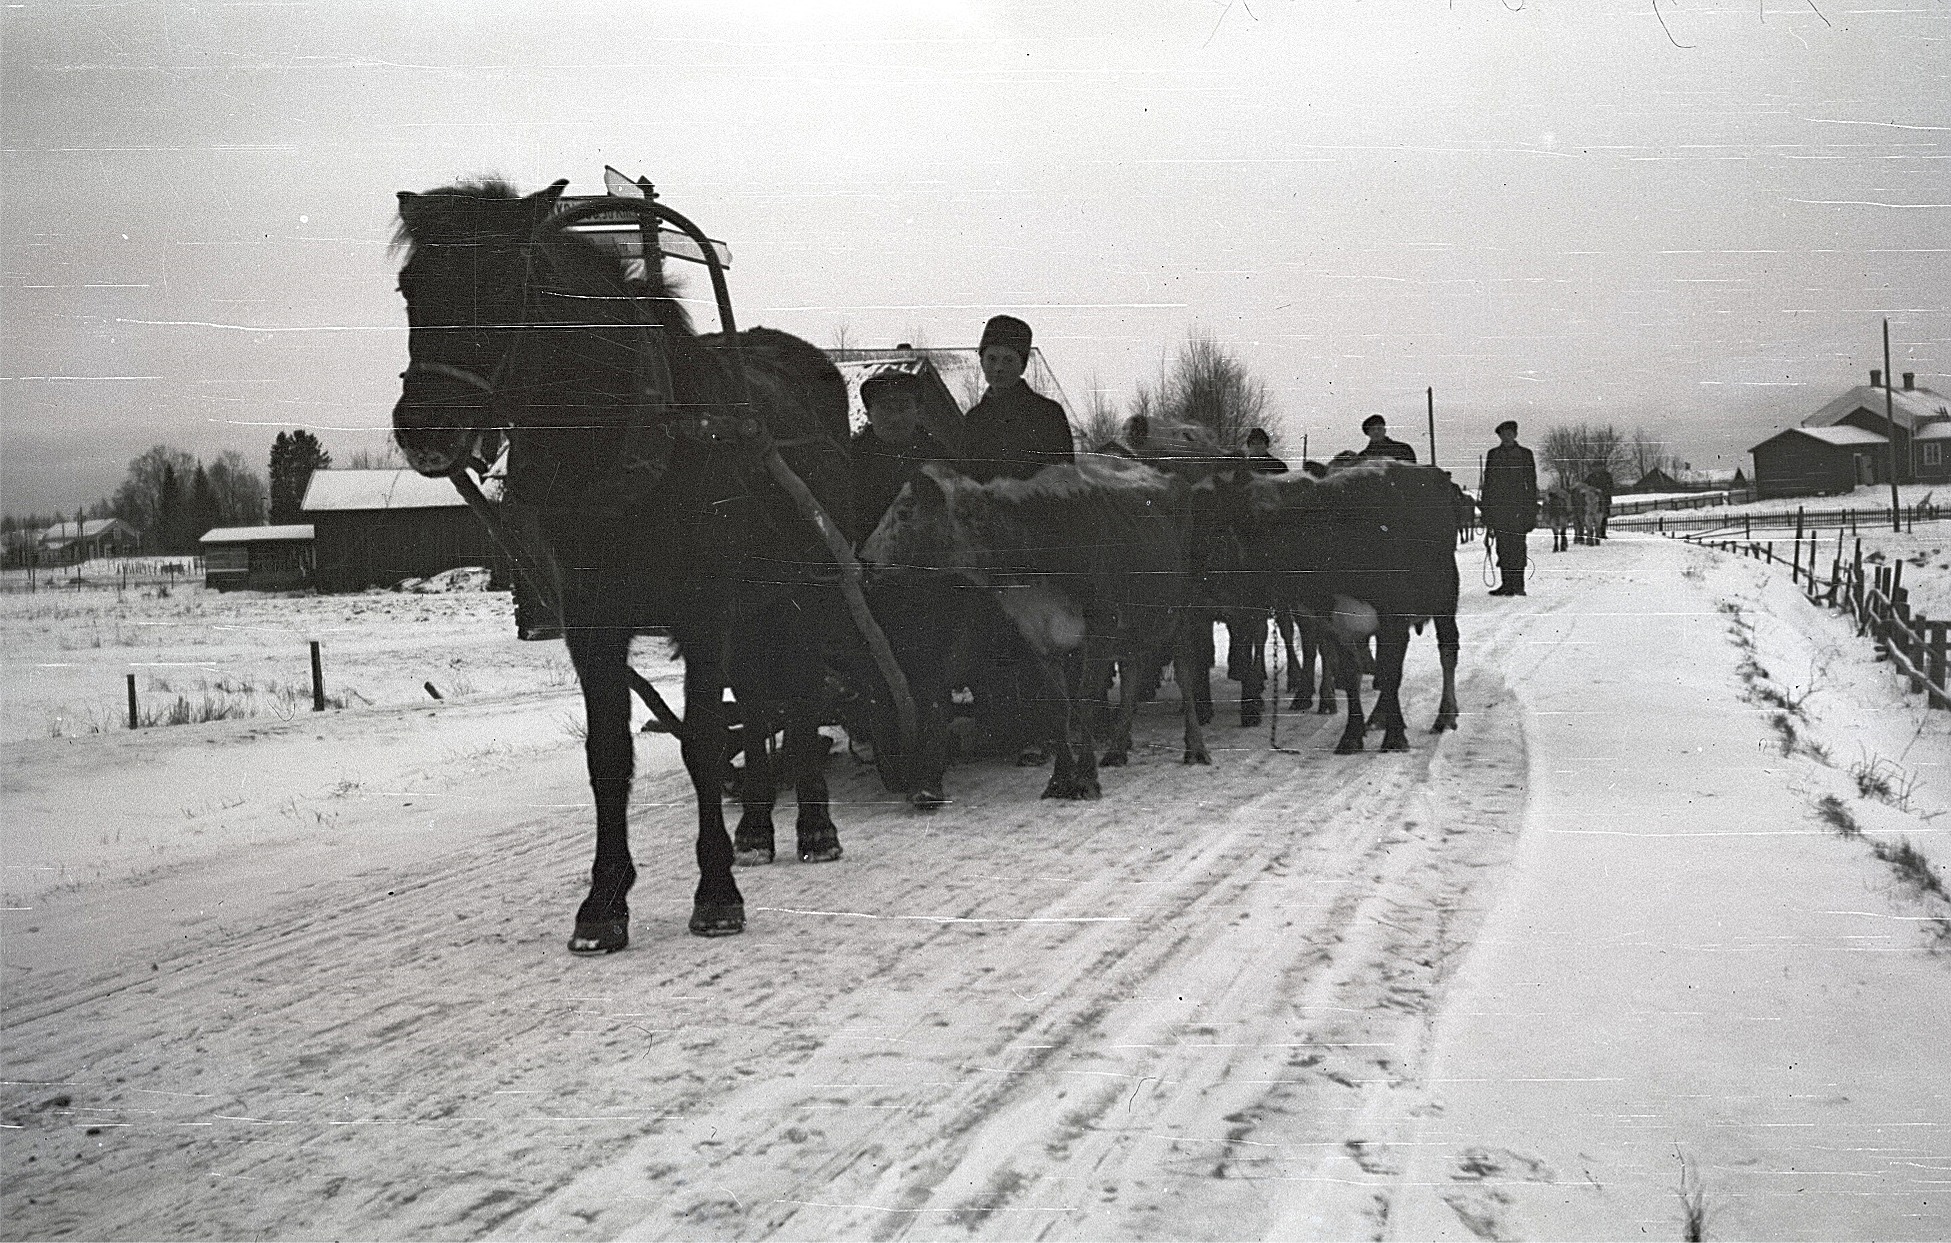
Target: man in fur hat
[1014,430]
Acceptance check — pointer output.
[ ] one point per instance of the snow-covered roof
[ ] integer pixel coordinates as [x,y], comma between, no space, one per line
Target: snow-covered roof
[377,489]
[256,535]
[62,532]
[1939,430]
[1909,406]
[1843,435]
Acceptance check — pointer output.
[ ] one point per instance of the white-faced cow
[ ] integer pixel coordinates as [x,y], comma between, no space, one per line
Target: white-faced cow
[1367,550]
[1088,561]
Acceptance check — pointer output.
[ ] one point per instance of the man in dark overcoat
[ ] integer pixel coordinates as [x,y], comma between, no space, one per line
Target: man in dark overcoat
[1510,505]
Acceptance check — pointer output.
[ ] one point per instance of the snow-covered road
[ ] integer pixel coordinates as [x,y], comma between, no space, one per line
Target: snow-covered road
[1485,989]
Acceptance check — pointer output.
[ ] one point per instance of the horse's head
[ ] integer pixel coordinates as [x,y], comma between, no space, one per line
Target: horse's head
[469,263]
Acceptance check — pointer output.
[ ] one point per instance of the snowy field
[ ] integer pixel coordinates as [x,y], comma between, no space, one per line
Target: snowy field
[1644,928]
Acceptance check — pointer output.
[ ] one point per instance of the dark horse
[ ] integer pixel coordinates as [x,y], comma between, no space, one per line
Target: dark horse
[632,450]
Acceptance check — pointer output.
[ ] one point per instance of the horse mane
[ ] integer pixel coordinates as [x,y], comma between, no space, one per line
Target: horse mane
[477,210]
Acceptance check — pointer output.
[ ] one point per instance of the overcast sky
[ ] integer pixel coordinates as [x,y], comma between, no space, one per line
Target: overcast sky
[1689,217]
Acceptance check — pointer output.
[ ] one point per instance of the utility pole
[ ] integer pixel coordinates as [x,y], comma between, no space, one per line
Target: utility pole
[1890,418]
[1432,425]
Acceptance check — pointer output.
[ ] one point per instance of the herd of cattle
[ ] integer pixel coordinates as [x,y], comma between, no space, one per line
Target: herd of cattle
[1119,563]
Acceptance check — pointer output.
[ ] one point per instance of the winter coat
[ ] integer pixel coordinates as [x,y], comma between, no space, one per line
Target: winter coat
[1389,447]
[1510,491]
[1015,431]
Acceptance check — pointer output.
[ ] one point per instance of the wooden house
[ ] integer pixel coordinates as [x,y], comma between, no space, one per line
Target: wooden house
[257,558]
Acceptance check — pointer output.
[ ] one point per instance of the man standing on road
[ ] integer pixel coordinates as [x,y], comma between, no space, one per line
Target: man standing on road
[1379,444]
[1510,504]
[1014,430]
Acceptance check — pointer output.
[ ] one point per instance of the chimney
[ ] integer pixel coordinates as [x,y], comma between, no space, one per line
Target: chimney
[1910,381]
[1876,377]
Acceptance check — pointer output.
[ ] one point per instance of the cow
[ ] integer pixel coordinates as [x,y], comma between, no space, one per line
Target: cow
[1088,561]
[1558,516]
[1590,508]
[1367,550]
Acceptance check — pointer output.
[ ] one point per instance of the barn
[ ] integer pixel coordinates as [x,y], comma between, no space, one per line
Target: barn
[70,543]
[1833,453]
[1804,461]
[373,528]
[257,558]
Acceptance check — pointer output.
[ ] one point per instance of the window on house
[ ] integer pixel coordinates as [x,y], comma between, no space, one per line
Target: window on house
[1933,454]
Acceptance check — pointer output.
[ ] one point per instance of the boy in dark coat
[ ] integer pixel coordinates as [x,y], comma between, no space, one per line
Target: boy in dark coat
[1014,430]
[1510,504]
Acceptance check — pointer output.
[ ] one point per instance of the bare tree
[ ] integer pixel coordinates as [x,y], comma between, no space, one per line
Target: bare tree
[386,457]
[1573,451]
[240,494]
[1208,386]
[1646,453]
[1101,423]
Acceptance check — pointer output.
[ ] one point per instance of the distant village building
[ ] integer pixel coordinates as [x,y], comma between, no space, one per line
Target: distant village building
[1847,443]
[68,543]
[374,528]
[257,558]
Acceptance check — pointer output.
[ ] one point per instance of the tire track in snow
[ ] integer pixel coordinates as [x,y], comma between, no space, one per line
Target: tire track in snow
[385,1066]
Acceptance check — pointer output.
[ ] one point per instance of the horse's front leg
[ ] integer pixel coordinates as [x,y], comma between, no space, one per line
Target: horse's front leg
[1284,623]
[718,908]
[601,657]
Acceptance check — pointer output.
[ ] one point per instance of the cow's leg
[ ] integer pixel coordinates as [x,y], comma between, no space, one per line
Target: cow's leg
[718,909]
[1348,672]
[1200,688]
[601,657]
[758,786]
[1447,646]
[816,836]
[1131,656]
[1066,780]
[1249,627]
[1391,646]
[1284,623]
[1185,657]
[1332,659]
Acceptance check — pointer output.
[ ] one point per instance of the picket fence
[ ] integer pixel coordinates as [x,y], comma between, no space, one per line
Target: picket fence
[1874,596]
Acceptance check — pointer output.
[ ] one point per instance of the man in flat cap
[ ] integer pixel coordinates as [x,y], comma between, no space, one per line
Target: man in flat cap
[1376,428]
[1014,430]
[1510,505]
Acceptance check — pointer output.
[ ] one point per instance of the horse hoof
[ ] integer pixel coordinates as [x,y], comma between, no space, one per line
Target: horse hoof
[1395,740]
[717,919]
[820,847]
[1249,719]
[600,936]
[1114,759]
[1301,703]
[1446,721]
[1060,787]
[1197,757]
[1349,746]
[752,856]
[928,798]
[1327,708]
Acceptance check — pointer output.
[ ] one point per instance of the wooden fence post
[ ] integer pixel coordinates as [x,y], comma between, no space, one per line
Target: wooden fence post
[1935,659]
[318,680]
[132,712]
